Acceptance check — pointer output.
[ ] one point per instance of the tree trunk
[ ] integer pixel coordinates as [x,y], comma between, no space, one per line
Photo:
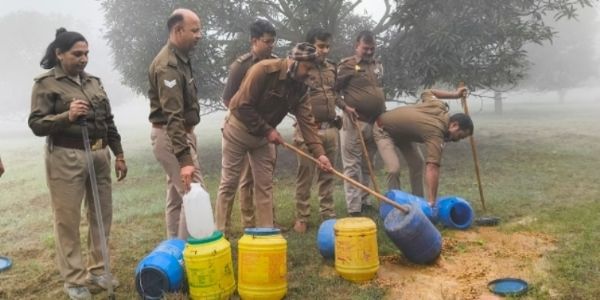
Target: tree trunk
[498,103]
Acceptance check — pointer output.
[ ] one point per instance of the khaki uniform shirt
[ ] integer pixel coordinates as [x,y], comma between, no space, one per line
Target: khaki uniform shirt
[237,71]
[267,95]
[361,84]
[51,97]
[425,122]
[173,98]
[321,94]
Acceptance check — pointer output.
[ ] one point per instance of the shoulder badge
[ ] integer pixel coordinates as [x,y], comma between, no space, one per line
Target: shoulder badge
[170,83]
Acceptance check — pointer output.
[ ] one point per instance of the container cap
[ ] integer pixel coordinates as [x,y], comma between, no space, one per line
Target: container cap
[211,238]
[5,263]
[508,286]
[262,231]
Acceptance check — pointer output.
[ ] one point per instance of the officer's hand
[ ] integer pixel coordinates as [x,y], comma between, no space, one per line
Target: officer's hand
[462,91]
[78,108]
[325,164]
[186,176]
[351,112]
[120,169]
[274,137]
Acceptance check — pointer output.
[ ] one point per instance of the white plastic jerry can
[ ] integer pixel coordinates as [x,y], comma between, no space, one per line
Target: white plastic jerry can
[198,212]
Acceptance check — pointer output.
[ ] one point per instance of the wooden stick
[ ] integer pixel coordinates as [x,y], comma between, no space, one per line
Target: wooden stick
[366,155]
[377,195]
[463,100]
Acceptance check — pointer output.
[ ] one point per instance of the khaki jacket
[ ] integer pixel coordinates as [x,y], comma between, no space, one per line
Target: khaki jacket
[51,96]
[425,122]
[173,98]
[267,95]
[360,82]
[321,93]
[237,71]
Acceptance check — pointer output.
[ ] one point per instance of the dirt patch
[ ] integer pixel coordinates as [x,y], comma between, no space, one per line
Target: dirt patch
[470,259]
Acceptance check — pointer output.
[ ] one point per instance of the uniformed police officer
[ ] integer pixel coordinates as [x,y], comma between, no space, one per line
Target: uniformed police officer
[426,122]
[270,90]
[262,40]
[174,111]
[323,100]
[360,82]
[59,98]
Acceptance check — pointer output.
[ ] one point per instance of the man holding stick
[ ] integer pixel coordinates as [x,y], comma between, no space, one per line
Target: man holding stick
[270,90]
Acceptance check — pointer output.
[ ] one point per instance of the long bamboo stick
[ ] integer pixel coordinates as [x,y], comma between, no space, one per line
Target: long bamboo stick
[377,195]
[463,100]
[366,155]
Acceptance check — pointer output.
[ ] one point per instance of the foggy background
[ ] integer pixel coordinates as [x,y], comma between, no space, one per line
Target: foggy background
[29,26]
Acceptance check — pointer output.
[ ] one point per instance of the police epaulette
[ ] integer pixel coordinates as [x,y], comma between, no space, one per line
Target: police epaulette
[244,57]
[346,59]
[92,76]
[44,75]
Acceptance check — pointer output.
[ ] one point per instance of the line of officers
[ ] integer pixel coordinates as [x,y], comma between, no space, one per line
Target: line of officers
[260,91]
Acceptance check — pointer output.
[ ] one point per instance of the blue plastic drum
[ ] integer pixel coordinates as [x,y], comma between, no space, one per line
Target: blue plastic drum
[326,239]
[401,197]
[161,271]
[414,235]
[454,212]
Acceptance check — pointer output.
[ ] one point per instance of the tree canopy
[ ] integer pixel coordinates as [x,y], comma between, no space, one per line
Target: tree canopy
[421,42]
[570,60]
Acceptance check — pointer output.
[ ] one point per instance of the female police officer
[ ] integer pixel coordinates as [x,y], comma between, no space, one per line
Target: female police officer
[59,98]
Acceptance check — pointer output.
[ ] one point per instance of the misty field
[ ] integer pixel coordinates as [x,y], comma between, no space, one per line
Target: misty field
[540,171]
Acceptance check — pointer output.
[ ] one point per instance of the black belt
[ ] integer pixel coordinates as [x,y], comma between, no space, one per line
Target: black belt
[188,129]
[75,143]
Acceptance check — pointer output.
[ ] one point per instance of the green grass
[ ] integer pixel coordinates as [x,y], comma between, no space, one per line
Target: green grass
[537,162]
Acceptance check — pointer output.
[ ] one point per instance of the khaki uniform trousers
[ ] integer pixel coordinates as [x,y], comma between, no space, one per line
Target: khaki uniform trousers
[163,152]
[306,174]
[354,162]
[245,193]
[237,144]
[412,155]
[67,177]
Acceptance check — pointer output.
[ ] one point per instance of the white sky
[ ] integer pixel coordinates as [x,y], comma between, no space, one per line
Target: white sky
[91,11]
[88,10]
[375,8]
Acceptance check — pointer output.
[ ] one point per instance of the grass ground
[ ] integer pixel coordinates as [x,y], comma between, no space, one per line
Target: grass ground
[538,162]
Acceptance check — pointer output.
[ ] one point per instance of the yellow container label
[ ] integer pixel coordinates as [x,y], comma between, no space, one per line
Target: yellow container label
[209,270]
